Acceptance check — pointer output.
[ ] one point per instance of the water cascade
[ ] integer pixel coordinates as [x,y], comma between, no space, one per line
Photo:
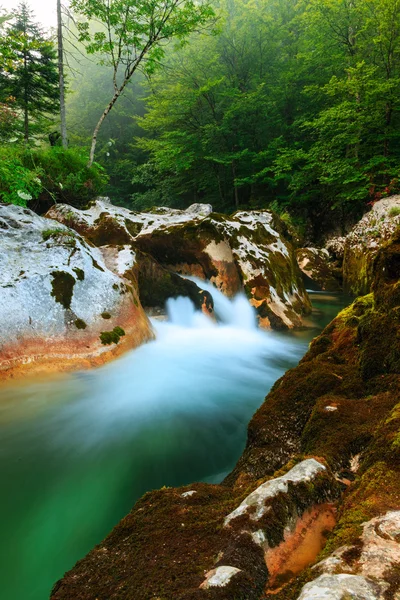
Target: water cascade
[76,452]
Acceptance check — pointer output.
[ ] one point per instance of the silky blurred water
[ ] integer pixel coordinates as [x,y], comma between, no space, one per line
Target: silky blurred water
[76,452]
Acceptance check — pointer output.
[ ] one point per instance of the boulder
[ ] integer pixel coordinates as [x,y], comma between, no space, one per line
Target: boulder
[365,240]
[318,270]
[374,554]
[103,223]
[246,251]
[341,587]
[61,307]
[367,568]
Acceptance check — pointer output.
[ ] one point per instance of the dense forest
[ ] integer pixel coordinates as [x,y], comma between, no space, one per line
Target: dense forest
[282,104]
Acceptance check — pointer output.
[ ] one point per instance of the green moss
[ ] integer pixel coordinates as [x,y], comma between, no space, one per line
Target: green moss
[60,235]
[394,211]
[133,227]
[119,331]
[106,315]
[62,287]
[80,274]
[96,265]
[112,337]
[80,324]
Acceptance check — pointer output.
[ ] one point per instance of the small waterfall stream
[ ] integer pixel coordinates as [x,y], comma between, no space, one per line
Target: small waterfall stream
[76,452]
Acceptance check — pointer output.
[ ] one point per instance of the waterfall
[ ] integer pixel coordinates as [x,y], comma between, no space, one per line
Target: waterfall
[77,452]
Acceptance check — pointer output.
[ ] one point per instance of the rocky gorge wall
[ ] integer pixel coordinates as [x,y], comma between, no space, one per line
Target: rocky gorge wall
[74,283]
[248,251]
[323,453]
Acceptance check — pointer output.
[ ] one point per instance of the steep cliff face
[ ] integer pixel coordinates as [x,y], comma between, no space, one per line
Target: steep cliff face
[61,308]
[248,251]
[326,439]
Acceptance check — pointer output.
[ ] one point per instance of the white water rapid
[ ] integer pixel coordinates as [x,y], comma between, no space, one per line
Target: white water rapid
[77,452]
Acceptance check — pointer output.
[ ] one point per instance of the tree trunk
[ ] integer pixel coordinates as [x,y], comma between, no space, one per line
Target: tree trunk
[26,114]
[64,139]
[100,122]
[236,193]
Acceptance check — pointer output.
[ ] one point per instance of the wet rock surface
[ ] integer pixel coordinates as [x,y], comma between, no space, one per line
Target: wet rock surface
[57,298]
[319,270]
[248,251]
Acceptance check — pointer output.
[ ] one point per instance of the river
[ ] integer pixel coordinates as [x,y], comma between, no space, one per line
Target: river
[76,452]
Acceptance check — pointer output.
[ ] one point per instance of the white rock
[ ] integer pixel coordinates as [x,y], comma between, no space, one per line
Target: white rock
[188,494]
[219,577]
[36,256]
[304,471]
[340,587]
[379,551]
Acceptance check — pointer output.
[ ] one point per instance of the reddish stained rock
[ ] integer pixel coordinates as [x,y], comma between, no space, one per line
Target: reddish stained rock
[55,291]
[247,251]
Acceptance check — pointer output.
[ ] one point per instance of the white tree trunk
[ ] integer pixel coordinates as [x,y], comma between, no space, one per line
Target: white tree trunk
[64,139]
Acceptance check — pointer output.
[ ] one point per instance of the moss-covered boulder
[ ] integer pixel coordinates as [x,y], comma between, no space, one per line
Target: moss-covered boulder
[249,250]
[318,270]
[58,297]
[363,243]
[198,543]
[326,438]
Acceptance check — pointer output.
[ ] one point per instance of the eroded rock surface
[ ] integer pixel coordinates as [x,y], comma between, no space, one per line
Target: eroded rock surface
[257,503]
[60,306]
[246,251]
[341,587]
[318,269]
[364,241]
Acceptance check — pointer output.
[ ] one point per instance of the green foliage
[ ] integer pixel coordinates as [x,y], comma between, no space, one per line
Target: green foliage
[133,35]
[18,183]
[394,211]
[43,176]
[28,75]
[294,105]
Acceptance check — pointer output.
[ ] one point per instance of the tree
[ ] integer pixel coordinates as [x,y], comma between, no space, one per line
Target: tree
[60,49]
[133,36]
[30,75]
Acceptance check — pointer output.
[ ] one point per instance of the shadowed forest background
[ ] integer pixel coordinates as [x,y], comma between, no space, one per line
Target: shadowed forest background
[281,104]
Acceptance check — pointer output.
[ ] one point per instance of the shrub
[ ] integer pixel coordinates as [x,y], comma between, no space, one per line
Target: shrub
[44,176]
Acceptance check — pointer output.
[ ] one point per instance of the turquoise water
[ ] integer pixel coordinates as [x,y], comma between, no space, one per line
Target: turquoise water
[75,453]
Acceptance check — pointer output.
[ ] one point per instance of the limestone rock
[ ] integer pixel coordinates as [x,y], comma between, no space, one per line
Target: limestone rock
[257,503]
[317,269]
[104,223]
[340,587]
[247,250]
[364,241]
[58,297]
[219,577]
[335,247]
[375,554]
